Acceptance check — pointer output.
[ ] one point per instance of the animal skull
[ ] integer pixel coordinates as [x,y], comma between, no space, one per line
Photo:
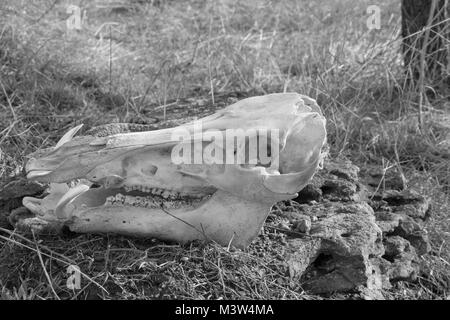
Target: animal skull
[134,184]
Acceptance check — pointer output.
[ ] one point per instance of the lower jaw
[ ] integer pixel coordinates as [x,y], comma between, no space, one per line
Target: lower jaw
[224,218]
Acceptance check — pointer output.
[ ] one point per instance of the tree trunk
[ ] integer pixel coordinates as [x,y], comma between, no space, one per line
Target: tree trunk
[426,38]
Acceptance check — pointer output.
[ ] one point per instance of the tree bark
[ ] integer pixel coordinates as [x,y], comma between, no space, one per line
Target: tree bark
[426,38]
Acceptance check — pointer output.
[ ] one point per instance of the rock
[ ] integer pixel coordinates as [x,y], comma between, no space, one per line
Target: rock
[415,234]
[390,179]
[337,256]
[302,225]
[407,202]
[395,246]
[300,253]
[387,222]
[406,227]
[403,213]
[354,244]
[343,169]
[338,189]
[283,225]
[338,181]
[5,209]
[11,193]
[25,221]
[401,256]
[19,187]
[309,193]
[21,212]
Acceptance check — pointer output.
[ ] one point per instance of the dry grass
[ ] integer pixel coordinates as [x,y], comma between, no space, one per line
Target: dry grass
[156,52]
[144,269]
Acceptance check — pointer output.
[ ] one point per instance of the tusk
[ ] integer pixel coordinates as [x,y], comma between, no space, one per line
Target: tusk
[68,136]
[289,183]
[33,204]
[67,197]
[35,174]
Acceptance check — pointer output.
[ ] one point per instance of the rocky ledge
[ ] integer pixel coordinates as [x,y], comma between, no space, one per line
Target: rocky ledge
[346,235]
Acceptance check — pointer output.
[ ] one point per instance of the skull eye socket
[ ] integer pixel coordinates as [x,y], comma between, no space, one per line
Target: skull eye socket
[150,170]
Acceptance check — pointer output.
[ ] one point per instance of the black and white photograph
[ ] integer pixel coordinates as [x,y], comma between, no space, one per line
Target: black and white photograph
[225,158]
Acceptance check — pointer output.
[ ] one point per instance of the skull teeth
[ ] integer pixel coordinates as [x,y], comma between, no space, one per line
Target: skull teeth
[172,199]
[167,194]
[120,199]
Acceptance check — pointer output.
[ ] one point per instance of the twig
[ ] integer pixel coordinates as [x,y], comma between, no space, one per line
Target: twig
[399,167]
[383,176]
[46,11]
[110,60]
[9,102]
[187,223]
[57,259]
[50,282]
[209,63]
[11,233]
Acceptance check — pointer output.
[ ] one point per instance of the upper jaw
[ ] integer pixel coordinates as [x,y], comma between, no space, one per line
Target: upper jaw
[102,160]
